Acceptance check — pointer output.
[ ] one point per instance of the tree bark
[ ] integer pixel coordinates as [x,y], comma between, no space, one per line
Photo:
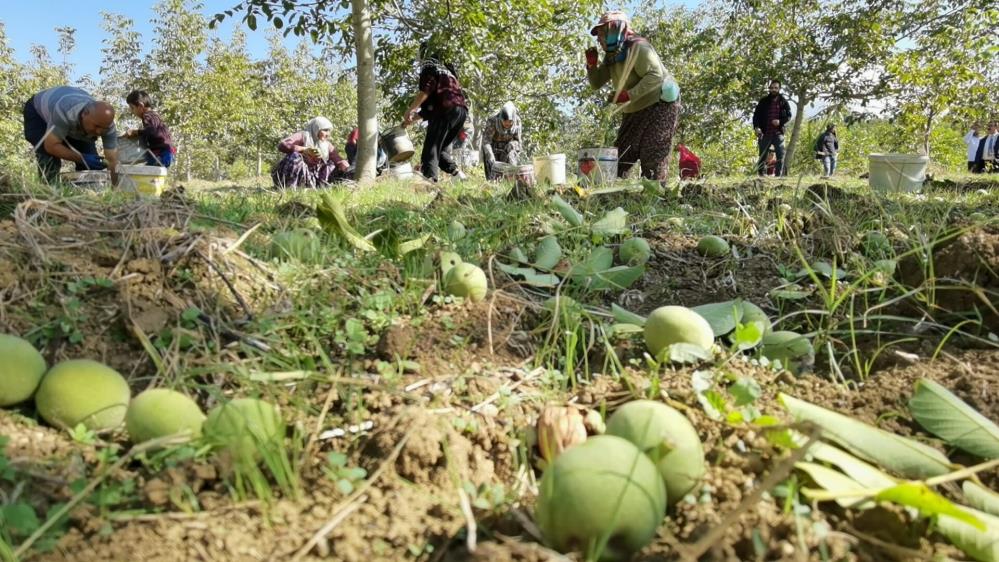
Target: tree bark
[927,131]
[367,101]
[802,101]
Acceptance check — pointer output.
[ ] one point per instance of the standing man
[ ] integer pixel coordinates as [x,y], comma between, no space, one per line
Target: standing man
[63,123]
[991,152]
[826,149]
[772,113]
[975,148]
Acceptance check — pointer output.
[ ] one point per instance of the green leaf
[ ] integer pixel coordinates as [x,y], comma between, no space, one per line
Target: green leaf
[834,482]
[626,317]
[570,214]
[683,352]
[530,275]
[980,497]
[721,316]
[906,457]
[622,329]
[548,253]
[612,224]
[332,218]
[714,404]
[600,259]
[412,245]
[616,278]
[982,546]
[20,518]
[745,391]
[518,255]
[748,336]
[928,502]
[947,416]
[790,293]
[825,269]
[866,475]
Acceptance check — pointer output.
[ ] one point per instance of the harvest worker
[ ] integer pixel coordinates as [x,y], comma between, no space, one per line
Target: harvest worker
[976,149]
[649,94]
[502,140]
[154,134]
[311,159]
[63,123]
[826,149]
[772,113]
[991,154]
[441,102]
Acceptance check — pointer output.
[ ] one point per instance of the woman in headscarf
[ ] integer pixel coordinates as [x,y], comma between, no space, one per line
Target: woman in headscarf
[649,94]
[502,140]
[441,102]
[311,159]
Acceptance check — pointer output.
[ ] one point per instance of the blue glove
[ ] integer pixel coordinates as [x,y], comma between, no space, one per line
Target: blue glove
[94,162]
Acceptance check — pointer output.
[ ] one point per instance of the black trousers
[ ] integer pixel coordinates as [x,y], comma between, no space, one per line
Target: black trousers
[441,132]
[34,130]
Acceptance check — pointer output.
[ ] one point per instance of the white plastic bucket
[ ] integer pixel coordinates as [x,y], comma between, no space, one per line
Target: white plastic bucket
[403,171]
[598,165]
[550,169]
[145,181]
[897,172]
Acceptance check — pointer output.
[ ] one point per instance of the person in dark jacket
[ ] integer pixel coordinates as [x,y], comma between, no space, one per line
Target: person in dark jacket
[154,136]
[440,100]
[826,149]
[772,113]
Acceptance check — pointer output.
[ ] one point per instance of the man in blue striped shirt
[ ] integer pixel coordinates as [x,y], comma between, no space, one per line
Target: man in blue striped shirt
[63,123]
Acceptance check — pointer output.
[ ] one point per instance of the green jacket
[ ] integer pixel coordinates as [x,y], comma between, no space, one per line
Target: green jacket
[644,82]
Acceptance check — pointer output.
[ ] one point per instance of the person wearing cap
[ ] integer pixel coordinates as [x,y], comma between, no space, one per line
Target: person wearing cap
[502,140]
[648,94]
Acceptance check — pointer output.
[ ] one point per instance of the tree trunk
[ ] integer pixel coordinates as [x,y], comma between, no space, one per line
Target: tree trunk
[927,131]
[367,102]
[801,99]
[260,162]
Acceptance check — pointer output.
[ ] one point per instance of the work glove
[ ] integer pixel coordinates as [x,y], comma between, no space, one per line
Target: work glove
[623,97]
[94,162]
[592,57]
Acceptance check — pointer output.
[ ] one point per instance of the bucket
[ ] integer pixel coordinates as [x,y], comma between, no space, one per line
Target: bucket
[550,169]
[523,176]
[146,181]
[89,179]
[897,172]
[402,171]
[397,145]
[598,165]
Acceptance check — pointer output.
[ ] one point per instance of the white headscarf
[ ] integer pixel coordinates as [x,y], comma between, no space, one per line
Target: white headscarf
[311,131]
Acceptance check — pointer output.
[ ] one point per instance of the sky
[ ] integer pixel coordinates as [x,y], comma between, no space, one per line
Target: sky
[30,22]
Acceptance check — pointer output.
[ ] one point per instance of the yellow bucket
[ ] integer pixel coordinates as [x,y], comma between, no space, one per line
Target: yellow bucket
[144,181]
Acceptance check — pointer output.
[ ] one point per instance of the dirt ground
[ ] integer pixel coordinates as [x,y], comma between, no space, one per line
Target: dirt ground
[446,448]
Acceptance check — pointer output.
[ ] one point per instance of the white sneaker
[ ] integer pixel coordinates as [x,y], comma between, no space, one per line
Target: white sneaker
[460,176]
